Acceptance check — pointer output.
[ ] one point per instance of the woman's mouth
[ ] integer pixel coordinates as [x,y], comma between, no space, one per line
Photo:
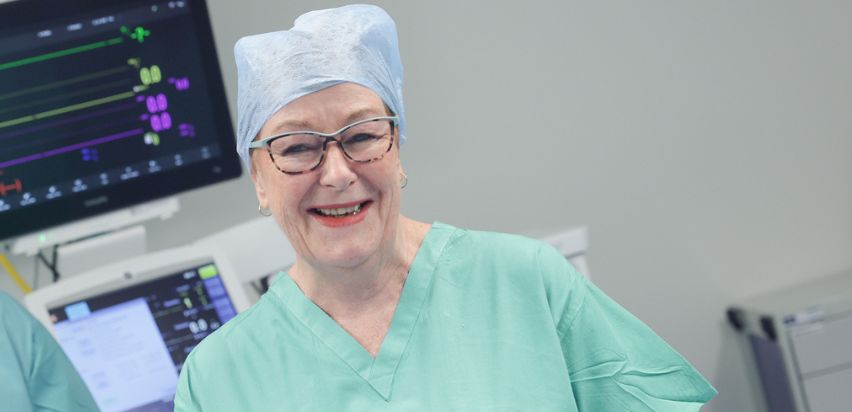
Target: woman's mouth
[341,215]
[339,212]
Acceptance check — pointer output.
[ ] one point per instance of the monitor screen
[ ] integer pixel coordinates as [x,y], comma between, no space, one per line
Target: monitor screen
[106,104]
[129,344]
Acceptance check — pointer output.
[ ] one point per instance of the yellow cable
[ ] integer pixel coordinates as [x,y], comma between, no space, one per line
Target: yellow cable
[14,274]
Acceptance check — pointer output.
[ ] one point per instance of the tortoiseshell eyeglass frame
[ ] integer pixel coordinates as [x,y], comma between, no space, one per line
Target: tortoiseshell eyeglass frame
[329,137]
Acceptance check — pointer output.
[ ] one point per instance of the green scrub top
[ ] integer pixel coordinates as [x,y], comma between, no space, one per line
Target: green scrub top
[35,374]
[486,321]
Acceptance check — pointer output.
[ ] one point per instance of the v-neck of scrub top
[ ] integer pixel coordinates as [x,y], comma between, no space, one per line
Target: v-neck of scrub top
[379,371]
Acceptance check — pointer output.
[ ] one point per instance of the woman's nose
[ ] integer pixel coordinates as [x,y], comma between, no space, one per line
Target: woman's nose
[335,171]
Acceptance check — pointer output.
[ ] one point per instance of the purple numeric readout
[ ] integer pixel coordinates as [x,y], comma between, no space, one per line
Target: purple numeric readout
[186,130]
[90,155]
[157,103]
[151,102]
[180,84]
[162,102]
[160,122]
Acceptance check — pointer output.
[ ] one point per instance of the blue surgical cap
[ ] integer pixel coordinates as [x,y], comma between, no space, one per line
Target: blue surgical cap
[356,43]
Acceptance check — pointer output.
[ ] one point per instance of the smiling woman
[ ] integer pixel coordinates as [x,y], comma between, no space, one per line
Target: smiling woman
[339,213]
[382,312]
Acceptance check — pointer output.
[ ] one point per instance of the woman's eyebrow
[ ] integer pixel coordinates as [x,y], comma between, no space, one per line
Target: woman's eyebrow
[291,125]
[299,125]
[363,113]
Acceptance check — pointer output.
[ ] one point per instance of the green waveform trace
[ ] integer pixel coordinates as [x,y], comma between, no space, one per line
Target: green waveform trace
[66,109]
[60,53]
[54,85]
[90,90]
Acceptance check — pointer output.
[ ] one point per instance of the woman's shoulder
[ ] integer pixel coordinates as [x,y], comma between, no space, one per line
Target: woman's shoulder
[497,246]
[232,333]
[509,256]
[485,239]
[529,269]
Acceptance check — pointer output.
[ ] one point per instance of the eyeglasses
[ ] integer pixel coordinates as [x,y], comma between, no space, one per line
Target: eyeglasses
[300,152]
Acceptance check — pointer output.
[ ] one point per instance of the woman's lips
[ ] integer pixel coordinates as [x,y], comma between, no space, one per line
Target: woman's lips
[346,219]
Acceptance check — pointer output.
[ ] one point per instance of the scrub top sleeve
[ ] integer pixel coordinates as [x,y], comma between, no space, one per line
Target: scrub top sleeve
[616,362]
[184,399]
[54,384]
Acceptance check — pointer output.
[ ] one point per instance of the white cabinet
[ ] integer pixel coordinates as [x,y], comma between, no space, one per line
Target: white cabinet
[801,339]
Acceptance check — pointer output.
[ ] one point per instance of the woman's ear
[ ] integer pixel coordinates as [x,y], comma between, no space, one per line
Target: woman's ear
[259,190]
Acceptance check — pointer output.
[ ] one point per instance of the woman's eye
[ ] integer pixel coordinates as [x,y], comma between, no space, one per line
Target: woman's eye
[296,149]
[361,138]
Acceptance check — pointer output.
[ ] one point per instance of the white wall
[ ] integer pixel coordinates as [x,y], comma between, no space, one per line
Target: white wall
[706,144]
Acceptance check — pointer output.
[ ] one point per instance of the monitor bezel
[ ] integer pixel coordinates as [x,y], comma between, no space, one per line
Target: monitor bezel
[94,202]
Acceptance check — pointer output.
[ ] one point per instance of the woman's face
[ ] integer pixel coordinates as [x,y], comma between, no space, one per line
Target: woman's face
[297,201]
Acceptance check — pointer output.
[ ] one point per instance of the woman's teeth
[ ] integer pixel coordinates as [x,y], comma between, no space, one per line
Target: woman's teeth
[340,211]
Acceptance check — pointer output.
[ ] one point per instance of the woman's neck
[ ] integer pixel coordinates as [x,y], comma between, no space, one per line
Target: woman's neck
[372,285]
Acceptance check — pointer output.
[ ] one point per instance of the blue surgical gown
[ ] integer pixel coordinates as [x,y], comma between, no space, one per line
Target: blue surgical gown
[35,374]
[485,322]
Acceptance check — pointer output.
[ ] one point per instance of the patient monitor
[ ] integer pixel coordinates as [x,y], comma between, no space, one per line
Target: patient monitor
[129,327]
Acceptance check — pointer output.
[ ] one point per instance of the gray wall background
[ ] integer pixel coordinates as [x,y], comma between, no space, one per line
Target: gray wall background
[705,144]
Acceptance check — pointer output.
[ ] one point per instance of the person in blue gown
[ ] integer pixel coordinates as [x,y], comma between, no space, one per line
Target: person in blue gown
[384,313]
[35,374]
